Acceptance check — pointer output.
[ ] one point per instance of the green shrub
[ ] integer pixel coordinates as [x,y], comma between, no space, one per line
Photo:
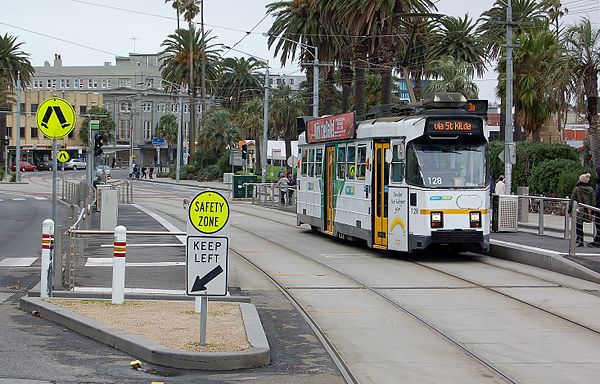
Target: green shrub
[13,177]
[1,174]
[567,181]
[192,168]
[545,177]
[529,155]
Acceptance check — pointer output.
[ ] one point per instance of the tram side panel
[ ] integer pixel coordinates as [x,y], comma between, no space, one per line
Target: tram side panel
[352,191]
[309,200]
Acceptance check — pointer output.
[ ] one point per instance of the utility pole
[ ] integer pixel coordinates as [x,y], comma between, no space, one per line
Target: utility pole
[179,128]
[202,67]
[192,136]
[508,132]
[316,83]
[265,125]
[18,129]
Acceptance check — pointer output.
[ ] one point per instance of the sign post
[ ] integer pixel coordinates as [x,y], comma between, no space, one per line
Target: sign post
[158,143]
[207,250]
[56,119]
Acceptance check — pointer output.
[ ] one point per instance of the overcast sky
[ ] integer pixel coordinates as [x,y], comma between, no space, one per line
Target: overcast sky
[92,32]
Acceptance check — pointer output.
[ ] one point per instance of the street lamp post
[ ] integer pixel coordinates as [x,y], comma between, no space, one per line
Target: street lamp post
[265,112]
[18,129]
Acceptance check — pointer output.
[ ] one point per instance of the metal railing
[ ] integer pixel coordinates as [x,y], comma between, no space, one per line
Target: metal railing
[545,214]
[269,194]
[585,222]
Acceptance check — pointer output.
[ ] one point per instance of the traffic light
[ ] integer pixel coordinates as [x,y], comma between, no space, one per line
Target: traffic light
[244,151]
[98,143]
[5,140]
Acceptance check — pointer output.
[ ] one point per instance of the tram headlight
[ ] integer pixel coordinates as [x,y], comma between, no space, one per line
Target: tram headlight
[437,219]
[475,219]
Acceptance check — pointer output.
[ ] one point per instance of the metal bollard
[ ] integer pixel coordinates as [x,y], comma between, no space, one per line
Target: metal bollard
[47,249]
[118,279]
[541,218]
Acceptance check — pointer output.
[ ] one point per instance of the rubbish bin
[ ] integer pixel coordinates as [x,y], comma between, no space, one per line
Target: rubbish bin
[239,191]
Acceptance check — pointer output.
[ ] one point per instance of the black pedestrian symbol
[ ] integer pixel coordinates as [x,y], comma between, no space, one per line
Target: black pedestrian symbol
[200,283]
[59,115]
[62,156]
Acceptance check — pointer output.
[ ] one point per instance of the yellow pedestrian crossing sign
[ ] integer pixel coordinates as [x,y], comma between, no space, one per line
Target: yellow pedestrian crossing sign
[55,118]
[63,156]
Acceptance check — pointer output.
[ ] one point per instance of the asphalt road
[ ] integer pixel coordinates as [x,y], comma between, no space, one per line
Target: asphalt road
[38,351]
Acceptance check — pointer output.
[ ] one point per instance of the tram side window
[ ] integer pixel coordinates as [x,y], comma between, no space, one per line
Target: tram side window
[341,162]
[311,163]
[304,164]
[397,164]
[319,162]
[351,162]
[361,162]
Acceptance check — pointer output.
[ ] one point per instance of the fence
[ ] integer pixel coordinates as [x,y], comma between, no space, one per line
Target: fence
[269,194]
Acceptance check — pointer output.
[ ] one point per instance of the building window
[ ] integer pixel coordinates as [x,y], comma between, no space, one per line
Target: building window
[82,109]
[49,83]
[161,107]
[34,108]
[22,132]
[186,108]
[109,83]
[34,132]
[124,82]
[76,83]
[9,131]
[125,106]
[54,83]
[95,84]
[22,107]
[291,81]
[174,107]
[103,83]
[147,106]
[68,83]
[149,82]
[107,105]
[124,129]
[89,83]
[62,83]
[147,130]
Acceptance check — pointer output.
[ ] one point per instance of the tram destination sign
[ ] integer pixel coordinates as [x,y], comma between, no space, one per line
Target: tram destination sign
[330,128]
[454,125]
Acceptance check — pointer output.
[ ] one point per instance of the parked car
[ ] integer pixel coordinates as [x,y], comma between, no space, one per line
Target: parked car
[75,164]
[102,168]
[24,166]
[44,165]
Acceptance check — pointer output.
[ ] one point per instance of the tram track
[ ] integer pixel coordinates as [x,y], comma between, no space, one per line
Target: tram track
[376,290]
[321,334]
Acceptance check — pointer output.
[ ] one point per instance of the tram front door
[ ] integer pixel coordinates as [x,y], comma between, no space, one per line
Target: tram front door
[380,196]
[329,188]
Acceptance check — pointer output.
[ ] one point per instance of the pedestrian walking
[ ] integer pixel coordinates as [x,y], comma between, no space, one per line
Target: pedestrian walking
[151,171]
[596,242]
[500,186]
[291,187]
[583,193]
[282,184]
[144,172]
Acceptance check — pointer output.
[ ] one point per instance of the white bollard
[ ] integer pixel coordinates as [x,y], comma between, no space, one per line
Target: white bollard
[47,249]
[118,280]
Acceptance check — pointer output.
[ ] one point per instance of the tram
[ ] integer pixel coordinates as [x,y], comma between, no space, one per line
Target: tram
[401,183]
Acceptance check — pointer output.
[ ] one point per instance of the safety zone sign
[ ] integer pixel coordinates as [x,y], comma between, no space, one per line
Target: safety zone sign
[55,118]
[209,212]
[207,260]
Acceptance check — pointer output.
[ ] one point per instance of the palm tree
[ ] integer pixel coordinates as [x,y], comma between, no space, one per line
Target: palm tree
[249,119]
[239,81]
[176,65]
[13,60]
[6,95]
[285,108]
[219,132]
[453,75]
[107,125]
[459,39]
[372,23]
[177,5]
[583,43]
[167,128]
[297,24]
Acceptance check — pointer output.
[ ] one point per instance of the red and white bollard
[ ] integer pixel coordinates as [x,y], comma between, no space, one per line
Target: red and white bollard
[118,280]
[47,249]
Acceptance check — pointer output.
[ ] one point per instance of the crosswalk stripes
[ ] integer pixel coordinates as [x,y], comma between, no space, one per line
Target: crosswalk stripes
[18,262]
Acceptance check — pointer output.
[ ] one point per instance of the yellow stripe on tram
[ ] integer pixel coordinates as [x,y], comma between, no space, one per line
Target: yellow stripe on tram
[453,211]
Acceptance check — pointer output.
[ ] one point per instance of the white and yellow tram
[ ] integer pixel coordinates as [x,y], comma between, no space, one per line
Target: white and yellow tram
[399,183]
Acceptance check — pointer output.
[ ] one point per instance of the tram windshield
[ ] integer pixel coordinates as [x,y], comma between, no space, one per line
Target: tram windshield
[447,165]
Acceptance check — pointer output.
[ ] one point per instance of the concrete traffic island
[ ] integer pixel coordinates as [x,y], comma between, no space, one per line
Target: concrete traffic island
[256,352]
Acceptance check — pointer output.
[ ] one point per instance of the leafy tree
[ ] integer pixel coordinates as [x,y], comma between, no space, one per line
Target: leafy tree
[583,44]
[285,108]
[545,176]
[167,128]
[13,60]
[107,125]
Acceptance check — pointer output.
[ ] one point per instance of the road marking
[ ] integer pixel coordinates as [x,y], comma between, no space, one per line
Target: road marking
[526,247]
[165,223]
[108,262]
[18,262]
[145,245]
[108,290]
[18,199]
[40,198]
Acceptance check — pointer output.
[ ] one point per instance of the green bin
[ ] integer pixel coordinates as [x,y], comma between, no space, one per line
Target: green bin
[239,191]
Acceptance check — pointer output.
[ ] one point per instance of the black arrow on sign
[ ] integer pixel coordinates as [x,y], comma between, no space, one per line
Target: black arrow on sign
[200,283]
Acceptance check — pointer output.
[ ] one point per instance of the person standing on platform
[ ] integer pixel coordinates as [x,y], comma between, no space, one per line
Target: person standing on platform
[596,242]
[583,193]
[151,171]
[500,186]
[143,172]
